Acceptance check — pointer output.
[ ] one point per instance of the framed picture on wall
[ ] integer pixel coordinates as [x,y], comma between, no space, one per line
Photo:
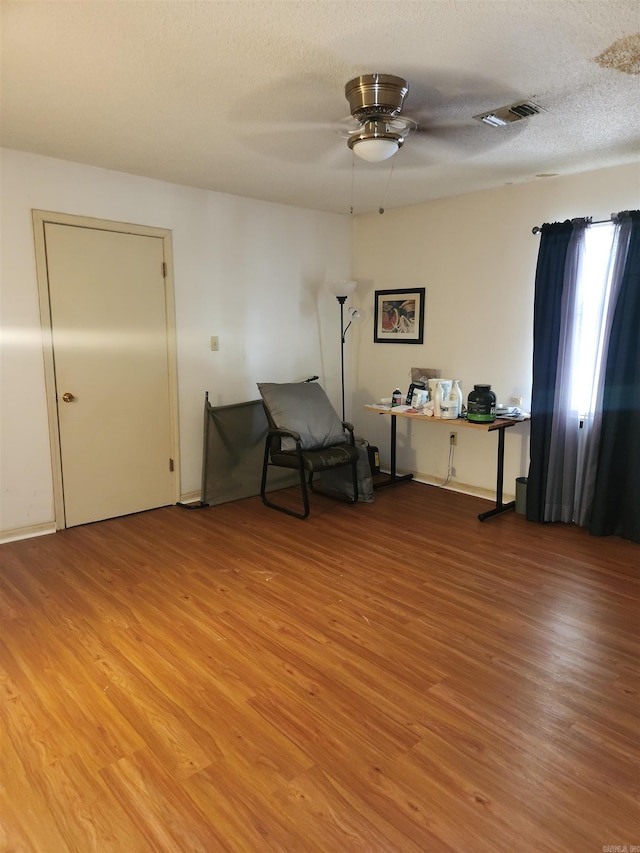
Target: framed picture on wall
[399,316]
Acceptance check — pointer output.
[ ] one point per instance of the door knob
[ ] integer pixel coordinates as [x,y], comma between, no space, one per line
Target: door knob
[68,398]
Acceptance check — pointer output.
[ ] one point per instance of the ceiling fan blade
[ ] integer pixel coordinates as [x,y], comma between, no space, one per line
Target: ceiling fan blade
[466,139]
[346,126]
[304,100]
[295,146]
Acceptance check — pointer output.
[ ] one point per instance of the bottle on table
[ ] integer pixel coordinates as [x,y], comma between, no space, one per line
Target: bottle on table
[450,407]
[458,391]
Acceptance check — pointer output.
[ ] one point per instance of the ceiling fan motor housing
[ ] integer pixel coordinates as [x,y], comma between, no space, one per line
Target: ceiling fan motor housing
[372,95]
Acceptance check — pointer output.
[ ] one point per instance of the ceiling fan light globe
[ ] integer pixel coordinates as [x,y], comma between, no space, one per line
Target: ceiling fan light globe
[375,150]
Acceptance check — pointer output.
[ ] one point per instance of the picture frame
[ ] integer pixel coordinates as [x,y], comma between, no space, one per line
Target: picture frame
[399,316]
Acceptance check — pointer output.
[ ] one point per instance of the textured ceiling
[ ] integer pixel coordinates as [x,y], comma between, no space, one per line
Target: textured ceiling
[242,97]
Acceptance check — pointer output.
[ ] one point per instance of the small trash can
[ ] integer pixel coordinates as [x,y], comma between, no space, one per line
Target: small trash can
[521,495]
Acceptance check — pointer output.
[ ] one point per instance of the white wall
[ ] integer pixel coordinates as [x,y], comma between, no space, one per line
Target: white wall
[476,257]
[251,273]
[248,271]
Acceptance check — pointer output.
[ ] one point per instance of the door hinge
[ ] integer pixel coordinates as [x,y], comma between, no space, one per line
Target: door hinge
[171,464]
[164,269]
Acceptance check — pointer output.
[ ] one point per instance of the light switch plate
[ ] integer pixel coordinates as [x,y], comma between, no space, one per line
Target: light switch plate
[215,343]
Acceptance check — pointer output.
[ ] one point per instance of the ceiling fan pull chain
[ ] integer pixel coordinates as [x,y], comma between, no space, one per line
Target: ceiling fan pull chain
[386,192]
[353,172]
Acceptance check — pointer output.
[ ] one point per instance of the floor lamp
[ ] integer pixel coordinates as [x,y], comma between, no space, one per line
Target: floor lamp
[342,290]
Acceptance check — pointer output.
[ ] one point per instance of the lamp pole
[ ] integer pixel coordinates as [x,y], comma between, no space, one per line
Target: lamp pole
[342,300]
[342,290]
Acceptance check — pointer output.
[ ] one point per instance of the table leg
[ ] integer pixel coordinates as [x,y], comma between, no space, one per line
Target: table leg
[499,507]
[393,477]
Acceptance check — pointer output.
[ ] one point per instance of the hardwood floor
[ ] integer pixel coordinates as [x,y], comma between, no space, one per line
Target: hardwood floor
[393,676]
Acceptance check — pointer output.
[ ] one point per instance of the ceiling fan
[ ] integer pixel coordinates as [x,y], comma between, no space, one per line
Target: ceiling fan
[378,130]
[443,118]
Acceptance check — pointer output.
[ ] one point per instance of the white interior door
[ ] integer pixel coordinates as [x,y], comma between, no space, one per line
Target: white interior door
[110,354]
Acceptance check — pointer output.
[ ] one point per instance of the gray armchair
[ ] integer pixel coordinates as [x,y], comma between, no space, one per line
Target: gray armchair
[304,434]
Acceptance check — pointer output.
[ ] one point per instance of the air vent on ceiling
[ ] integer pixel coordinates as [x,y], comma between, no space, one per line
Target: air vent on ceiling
[510,113]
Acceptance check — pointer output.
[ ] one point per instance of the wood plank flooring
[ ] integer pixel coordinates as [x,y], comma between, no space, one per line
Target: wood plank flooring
[393,676]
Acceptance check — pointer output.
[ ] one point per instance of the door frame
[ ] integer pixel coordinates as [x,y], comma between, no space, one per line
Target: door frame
[40,219]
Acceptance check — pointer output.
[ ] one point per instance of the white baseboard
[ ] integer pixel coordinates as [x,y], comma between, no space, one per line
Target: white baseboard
[190,498]
[27,532]
[31,530]
[463,488]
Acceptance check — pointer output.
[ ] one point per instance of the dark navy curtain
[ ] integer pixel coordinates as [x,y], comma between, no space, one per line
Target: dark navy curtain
[554,243]
[616,505]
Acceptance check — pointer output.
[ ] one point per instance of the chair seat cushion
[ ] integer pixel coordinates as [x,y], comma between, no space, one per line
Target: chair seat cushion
[304,408]
[317,460]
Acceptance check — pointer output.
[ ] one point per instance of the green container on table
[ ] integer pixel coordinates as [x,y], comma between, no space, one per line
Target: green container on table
[481,405]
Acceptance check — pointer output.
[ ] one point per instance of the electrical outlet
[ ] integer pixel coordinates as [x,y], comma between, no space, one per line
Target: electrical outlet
[215,343]
[515,401]
[453,438]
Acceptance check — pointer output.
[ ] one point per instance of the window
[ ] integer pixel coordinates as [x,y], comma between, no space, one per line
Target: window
[585,419]
[592,301]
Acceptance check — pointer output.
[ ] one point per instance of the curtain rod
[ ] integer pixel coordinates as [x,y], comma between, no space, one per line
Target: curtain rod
[538,228]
